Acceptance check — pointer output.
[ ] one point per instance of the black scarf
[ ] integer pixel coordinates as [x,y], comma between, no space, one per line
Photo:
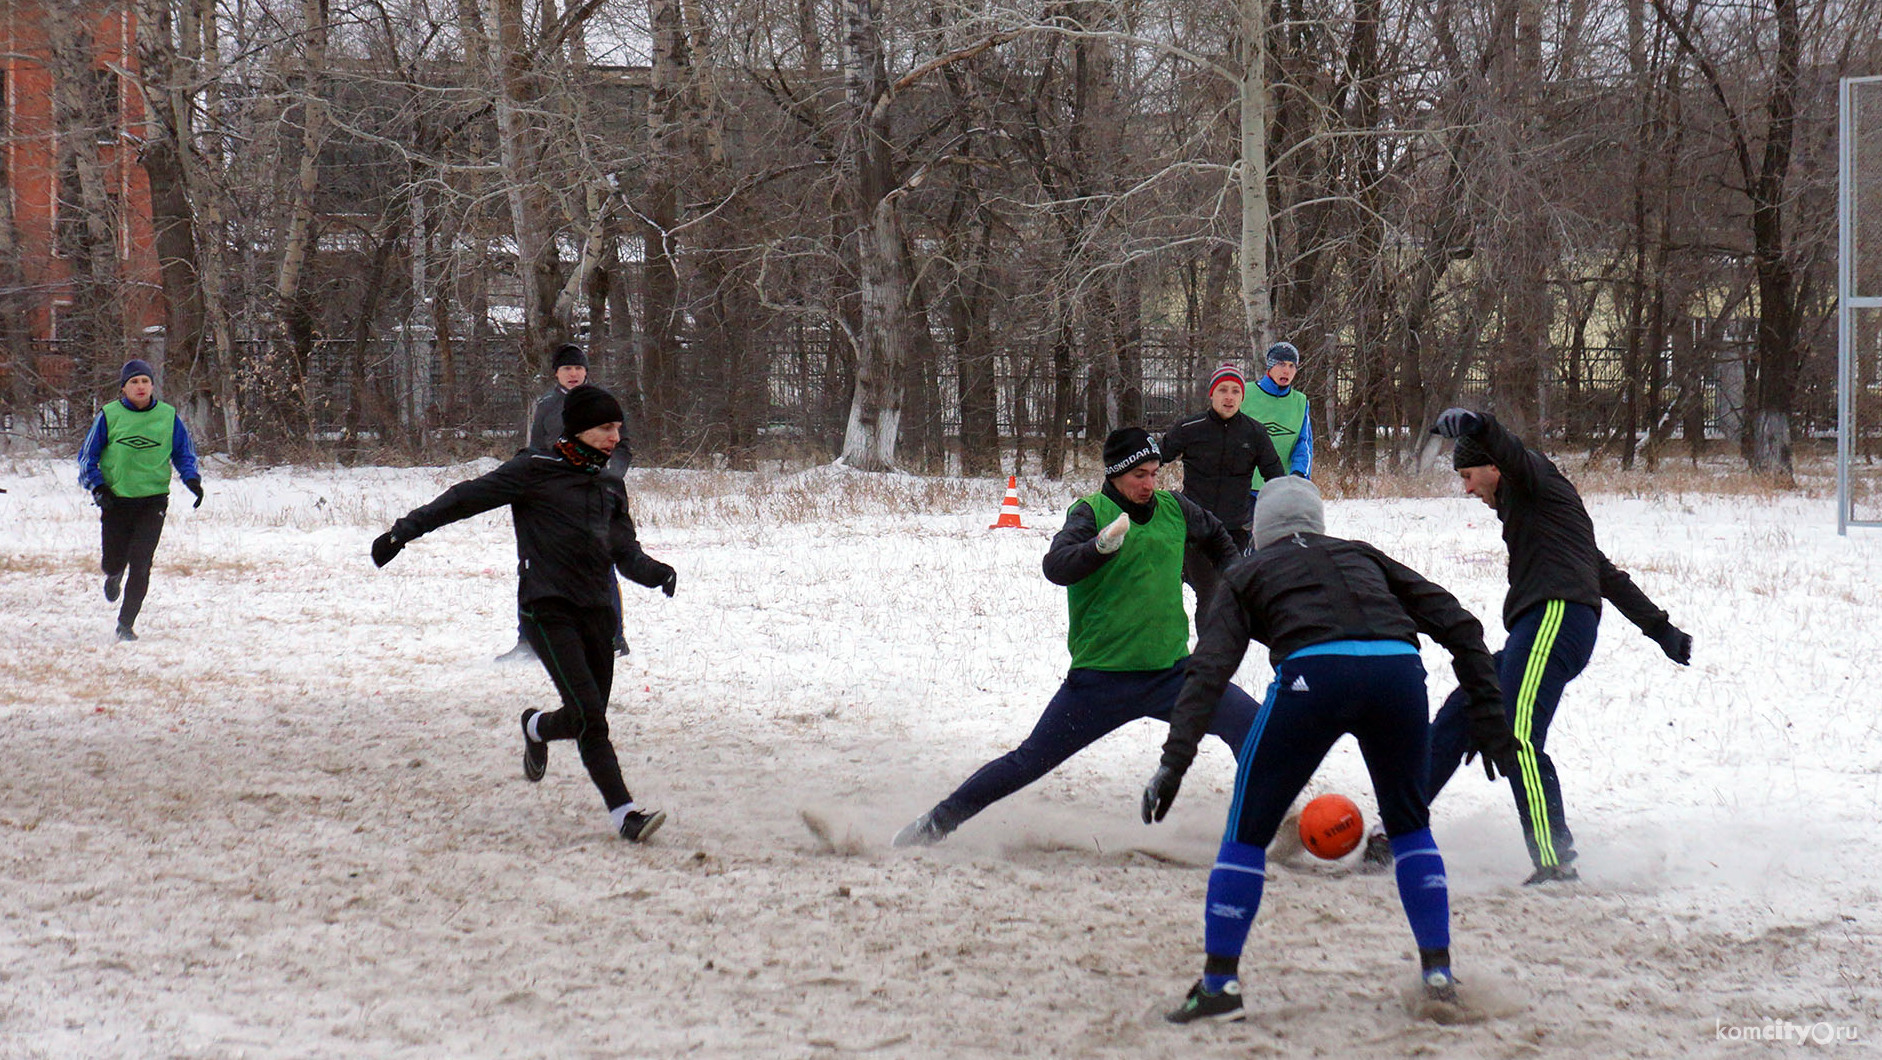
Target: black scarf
[1139,513]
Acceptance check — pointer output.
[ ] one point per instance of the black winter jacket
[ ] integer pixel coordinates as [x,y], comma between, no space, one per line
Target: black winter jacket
[572,527]
[545,426]
[1219,461]
[1073,555]
[1309,589]
[1551,539]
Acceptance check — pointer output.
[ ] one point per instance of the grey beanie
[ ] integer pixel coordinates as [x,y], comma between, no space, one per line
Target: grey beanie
[1287,506]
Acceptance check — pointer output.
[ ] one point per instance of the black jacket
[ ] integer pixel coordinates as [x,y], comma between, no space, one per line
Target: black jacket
[545,426]
[1309,589]
[1219,460]
[1074,556]
[572,526]
[1551,539]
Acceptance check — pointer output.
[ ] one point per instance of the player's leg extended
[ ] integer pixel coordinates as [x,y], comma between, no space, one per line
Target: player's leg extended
[1558,650]
[1089,705]
[1234,713]
[1389,723]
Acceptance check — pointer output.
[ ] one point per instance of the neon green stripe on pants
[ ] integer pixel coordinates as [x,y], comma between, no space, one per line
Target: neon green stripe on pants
[1525,720]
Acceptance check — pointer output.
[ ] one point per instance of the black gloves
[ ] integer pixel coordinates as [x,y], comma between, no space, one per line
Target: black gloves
[1490,736]
[1456,423]
[103,497]
[670,582]
[1298,474]
[1160,792]
[1675,643]
[195,485]
[384,547]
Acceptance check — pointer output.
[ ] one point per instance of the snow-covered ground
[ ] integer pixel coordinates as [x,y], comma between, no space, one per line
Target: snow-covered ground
[290,820]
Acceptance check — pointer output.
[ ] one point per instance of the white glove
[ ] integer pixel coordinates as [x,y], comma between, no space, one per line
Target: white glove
[1111,538]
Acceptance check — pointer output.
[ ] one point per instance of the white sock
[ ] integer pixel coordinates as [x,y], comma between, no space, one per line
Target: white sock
[534,719]
[619,813]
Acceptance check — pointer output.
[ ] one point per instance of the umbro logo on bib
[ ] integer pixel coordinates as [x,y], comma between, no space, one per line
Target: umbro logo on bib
[138,441]
[1275,428]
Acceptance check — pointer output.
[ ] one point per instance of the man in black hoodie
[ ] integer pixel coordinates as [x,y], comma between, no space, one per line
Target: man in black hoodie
[573,532]
[1341,621]
[570,365]
[1221,448]
[1558,578]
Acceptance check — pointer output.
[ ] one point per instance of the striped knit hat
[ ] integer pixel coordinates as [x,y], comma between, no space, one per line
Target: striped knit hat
[1227,372]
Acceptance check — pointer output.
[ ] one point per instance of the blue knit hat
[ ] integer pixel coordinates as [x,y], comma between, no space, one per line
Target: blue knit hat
[134,368]
[1283,353]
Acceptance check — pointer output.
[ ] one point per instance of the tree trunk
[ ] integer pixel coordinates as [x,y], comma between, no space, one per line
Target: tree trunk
[1257,310]
[883,348]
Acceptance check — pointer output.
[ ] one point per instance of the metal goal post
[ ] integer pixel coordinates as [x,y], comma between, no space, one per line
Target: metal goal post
[1859,306]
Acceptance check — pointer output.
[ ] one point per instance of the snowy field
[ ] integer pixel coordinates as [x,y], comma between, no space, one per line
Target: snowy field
[290,821]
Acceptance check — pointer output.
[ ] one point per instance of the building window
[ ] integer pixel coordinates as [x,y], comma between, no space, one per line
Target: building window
[101,106]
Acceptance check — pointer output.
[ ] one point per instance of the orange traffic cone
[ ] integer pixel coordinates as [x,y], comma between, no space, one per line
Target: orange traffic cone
[1009,508]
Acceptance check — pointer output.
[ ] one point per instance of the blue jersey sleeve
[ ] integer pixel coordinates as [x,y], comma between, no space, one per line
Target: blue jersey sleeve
[90,475]
[1302,460]
[183,453]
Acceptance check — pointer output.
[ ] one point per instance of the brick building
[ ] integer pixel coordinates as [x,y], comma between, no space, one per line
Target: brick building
[79,282]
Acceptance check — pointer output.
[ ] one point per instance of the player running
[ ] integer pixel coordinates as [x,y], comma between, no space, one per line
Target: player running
[573,531]
[1341,621]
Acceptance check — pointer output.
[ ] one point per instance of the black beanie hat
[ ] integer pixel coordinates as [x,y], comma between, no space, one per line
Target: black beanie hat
[1126,448]
[1469,453]
[569,355]
[588,406]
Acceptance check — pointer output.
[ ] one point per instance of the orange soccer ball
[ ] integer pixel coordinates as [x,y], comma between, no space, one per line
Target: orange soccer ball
[1330,826]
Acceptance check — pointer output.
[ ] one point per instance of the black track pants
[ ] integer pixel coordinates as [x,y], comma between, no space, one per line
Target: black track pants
[576,646]
[131,528]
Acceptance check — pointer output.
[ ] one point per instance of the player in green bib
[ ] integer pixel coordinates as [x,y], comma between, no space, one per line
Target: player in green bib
[1120,557]
[125,463]
[1274,403]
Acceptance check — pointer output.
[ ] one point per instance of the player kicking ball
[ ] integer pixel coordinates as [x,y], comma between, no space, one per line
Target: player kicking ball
[1120,557]
[1341,621]
[572,532]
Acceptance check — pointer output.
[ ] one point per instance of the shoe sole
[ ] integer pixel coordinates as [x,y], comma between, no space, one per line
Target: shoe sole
[1223,1017]
[532,772]
[654,821]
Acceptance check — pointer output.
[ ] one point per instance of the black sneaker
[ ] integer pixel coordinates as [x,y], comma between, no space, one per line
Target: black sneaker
[535,752]
[125,632]
[111,586]
[923,831]
[1377,858]
[1441,986]
[639,825]
[620,646]
[1203,1007]
[1552,874]
[521,653]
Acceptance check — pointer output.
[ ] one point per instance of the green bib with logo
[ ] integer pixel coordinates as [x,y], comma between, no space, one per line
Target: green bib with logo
[1282,416]
[136,460]
[1129,614]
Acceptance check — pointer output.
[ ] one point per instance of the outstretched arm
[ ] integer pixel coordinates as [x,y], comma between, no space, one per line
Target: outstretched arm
[1619,589]
[503,486]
